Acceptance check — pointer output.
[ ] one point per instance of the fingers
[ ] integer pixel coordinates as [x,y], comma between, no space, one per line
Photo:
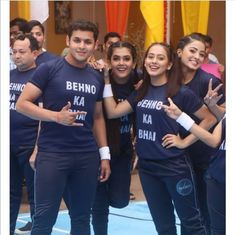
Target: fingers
[67,106]
[218,87]
[210,85]
[168,141]
[170,101]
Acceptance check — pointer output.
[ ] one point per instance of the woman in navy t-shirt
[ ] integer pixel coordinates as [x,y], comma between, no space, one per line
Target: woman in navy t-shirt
[165,173]
[216,171]
[116,191]
[191,54]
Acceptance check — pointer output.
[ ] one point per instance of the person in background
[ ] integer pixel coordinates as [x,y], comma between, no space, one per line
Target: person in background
[190,55]
[17,26]
[166,174]
[109,39]
[35,28]
[121,59]
[215,177]
[72,145]
[210,63]
[23,130]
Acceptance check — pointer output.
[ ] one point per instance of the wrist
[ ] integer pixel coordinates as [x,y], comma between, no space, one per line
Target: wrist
[107,91]
[185,121]
[104,153]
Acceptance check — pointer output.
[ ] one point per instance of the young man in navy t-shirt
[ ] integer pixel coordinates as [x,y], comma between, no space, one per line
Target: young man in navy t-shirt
[23,130]
[72,138]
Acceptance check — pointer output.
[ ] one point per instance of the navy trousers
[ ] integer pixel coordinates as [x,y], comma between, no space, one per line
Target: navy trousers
[19,170]
[169,184]
[56,171]
[115,192]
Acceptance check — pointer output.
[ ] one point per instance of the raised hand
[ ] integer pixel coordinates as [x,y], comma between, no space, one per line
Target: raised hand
[172,110]
[68,118]
[212,96]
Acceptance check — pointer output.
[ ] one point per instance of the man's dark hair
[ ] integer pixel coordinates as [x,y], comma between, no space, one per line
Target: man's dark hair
[33,23]
[111,35]
[20,22]
[33,41]
[83,25]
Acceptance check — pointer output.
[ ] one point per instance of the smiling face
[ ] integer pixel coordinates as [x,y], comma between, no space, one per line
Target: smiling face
[121,63]
[81,46]
[157,62]
[192,55]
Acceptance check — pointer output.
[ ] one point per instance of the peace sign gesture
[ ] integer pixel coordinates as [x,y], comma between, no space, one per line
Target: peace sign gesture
[212,96]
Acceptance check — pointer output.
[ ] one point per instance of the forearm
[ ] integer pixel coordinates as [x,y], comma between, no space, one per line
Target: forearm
[99,130]
[205,124]
[35,112]
[205,136]
[114,109]
[217,110]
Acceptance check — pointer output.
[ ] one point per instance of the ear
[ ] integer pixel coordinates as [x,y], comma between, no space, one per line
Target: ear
[179,52]
[35,54]
[67,41]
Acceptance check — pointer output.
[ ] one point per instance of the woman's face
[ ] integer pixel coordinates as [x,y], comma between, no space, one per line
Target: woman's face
[193,55]
[121,62]
[156,61]
[38,34]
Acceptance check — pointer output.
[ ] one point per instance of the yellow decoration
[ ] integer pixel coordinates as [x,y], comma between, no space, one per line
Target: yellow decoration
[23,8]
[195,16]
[153,13]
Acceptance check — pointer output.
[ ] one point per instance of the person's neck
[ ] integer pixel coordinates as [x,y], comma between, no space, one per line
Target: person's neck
[71,60]
[121,81]
[40,51]
[188,75]
[159,80]
[28,68]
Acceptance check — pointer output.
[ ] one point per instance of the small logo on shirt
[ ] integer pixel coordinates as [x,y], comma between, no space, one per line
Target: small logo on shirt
[184,187]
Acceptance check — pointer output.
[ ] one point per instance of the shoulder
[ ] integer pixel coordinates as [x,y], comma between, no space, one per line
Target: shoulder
[96,73]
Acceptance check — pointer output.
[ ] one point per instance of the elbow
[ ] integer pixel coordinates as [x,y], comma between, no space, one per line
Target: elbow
[19,107]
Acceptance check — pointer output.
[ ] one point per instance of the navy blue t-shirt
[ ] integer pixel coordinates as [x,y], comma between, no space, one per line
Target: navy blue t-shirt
[152,123]
[61,82]
[122,91]
[23,130]
[44,57]
[217,165]
[199,151]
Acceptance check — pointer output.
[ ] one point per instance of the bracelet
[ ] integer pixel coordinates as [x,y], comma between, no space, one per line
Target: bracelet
[107,91]
[185,121]
[104,153]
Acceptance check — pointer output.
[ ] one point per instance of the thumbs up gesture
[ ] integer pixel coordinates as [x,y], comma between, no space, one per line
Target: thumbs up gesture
[68,118]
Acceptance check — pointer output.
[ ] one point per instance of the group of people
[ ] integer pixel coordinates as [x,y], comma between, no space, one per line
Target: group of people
[79,115]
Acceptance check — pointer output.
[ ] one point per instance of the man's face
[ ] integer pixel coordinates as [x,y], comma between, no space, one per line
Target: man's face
[23,57]
[14,32]
[109,42]
[81,46]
